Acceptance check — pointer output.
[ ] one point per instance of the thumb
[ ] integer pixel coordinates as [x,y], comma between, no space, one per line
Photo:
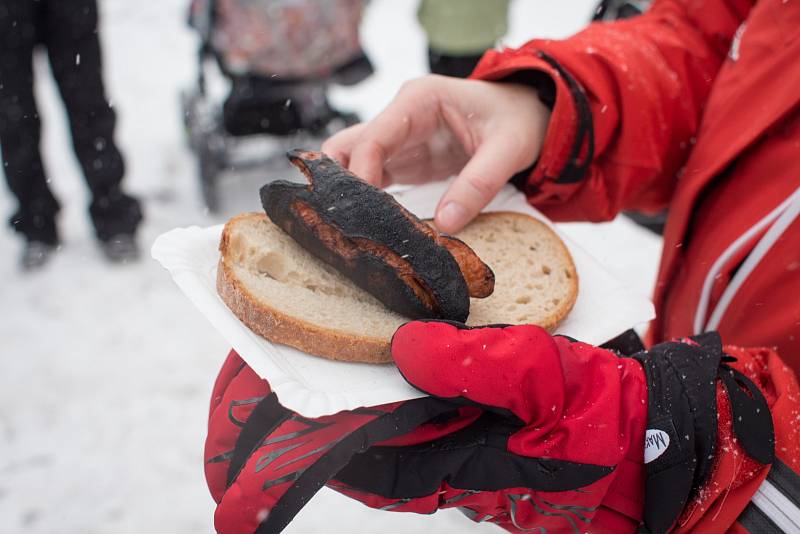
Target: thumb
[510,368]
[495,161]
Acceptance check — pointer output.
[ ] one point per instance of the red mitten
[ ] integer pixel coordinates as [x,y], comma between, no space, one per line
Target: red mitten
[559,444]
[571,410]
[522,429]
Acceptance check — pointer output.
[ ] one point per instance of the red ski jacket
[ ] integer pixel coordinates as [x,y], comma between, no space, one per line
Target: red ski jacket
[695,106]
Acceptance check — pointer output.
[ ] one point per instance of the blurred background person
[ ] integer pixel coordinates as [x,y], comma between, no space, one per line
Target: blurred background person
[460,31]
[68,31]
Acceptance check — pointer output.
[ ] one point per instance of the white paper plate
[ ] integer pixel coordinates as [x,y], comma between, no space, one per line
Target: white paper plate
[314,386]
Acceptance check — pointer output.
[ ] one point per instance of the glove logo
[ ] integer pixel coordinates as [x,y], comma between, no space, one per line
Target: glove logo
[655,444]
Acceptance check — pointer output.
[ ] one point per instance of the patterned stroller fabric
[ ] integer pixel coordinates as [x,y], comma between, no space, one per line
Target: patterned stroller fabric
[285,38]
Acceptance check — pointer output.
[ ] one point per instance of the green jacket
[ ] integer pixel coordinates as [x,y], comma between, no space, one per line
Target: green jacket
[463,27]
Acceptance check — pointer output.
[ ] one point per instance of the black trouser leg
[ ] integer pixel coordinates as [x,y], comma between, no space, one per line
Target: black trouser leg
[70,34]
[19,122]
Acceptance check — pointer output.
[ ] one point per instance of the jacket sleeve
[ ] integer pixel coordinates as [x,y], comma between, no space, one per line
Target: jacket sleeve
[627,100]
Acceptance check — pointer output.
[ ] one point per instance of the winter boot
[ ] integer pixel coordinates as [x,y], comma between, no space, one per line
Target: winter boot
[36,254]
[121,248]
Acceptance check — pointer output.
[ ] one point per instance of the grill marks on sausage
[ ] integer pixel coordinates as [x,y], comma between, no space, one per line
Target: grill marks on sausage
[351,249]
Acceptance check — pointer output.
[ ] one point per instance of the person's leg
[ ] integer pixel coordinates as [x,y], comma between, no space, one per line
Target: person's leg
[19,124]
[74,50]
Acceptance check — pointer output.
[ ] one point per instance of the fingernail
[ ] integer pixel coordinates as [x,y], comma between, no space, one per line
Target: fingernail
[451,217]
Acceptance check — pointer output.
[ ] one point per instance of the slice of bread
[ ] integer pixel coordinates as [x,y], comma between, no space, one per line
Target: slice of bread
[283,293]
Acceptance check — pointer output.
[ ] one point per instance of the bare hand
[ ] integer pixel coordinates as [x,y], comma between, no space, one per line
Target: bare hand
[436,127]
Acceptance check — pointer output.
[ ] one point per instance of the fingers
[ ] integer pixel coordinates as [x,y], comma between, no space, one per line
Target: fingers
[385,135]
[436,126]
[339,145]
[367,147]
[403,167]
[366,162]
[494,162]
[361,148]
[509,142]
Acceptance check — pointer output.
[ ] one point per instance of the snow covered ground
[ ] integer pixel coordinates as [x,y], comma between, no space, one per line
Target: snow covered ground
[106,371]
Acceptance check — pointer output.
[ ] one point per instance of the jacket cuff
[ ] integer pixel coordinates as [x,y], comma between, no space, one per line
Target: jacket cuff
[568,147]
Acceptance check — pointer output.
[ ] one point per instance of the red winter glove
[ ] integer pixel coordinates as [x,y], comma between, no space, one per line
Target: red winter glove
[547,432]
[523,429]
[561,444]
[582,404]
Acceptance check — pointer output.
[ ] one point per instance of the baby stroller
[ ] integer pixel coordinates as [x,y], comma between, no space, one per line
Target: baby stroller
[279,58]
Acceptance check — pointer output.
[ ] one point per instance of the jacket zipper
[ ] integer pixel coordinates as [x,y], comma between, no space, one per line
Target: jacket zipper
[778,220]
[777,507]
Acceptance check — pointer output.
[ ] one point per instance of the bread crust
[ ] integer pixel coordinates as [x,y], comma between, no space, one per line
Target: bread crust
[274,325]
